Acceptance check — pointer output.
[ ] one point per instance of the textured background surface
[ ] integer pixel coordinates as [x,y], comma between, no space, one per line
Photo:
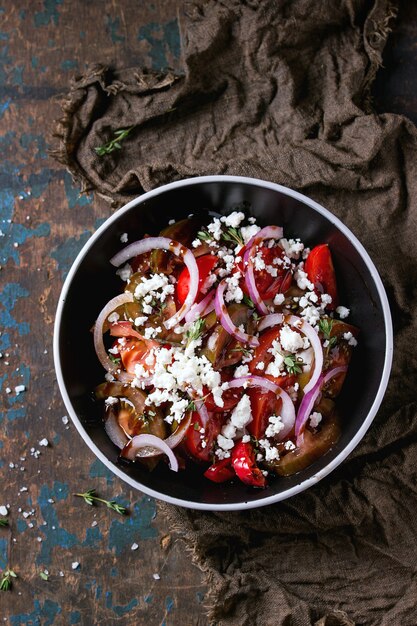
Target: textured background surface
[43,224]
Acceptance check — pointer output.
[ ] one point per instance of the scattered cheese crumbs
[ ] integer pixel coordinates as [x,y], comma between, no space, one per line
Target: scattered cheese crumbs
[315,419]
[156,576]
[125,272]
[75,565]
[111,400]
[350,339]
[123,238]
[140,321]
[19,389]
[23,489]
[279,299]
[234,219]
[3,510]
[113,317]
[171,222]
[290,339]
[44,442]
[275,426]
[65,419]
[245,438]
[134,546]
[342,312]
[94,524]
[61,573]
[288,445]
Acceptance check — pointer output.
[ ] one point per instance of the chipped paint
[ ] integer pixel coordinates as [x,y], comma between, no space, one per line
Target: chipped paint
[120,610]
[9,297]
[44,614]
[163,39]
[99,470]
[4,546]
[112,27]
[136,526]
[57,536]
[49,15]
[66,252]
[69,64]
[73,194]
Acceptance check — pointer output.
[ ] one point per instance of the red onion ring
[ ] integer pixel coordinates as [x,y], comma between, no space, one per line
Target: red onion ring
[163,243]
[103,357]
[225,320]
[145,446]
[287,409]
[114,431]
[269,232]
[309,332]
[201,309]
[179,433]
[309,400]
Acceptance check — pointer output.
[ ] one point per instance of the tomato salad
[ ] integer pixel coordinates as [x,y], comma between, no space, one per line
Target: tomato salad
[229,347]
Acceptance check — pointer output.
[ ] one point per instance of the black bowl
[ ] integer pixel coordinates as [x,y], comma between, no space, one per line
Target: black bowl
[92,282]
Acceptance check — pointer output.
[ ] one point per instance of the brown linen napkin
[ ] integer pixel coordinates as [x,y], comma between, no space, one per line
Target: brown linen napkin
[280,90]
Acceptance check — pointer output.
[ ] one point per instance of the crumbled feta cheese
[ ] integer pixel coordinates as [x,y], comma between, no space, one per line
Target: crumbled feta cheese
[156,576]
[123,237]
[44,442]
[196,243]
[134,546]
[241,370]
[279,299]
[224,442]
[275,426]
[293,247]
[290,339]
[75,565]
[350,339]
[249,231]
[140,321]
[157,286]
[125,272]
[65,420]
[234,219]
[3,510]
[242,413]
[113,317]
[229,430]
[302,279]
[315,419]
[288,445]
[326,298]
[342,312]
[233,292]
[246,439]
[260,366]
[19,389]
[111,400]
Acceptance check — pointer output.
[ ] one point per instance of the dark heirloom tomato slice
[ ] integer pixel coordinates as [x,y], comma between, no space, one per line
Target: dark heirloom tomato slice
[200,445]
[205,264]
[320,271]
[221,471]
[314,446]
[244,464]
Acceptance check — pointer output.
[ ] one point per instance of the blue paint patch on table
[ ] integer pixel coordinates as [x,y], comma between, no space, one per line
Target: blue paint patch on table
[28,139]
[112,27]
[136,526]
[4,106]
[49,15]
[93,538]
[8,299]
[69,64]
[42,614]
[120,610]
[53,538]
[4,545]
[73,194]
[99,470]
[75,617]
[162,38]
[66,253]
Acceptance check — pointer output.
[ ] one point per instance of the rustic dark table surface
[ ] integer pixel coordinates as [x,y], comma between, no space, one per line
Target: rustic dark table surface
[44,222]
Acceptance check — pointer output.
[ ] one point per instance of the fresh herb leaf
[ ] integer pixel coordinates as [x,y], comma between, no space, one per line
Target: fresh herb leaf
[326,325]
[332,342]
[196,426]
[293,364]
[115,360]
[6,580]
[115,143]
[44,575]
[248,301]
[233,234]
[4,522]
[90,497]
[204,235]
[191,406]
[194,332]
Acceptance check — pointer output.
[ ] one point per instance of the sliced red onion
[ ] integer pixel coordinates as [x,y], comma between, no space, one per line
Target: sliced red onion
[309,400]
[269,232]
[106,362]
[146,446]
[201,309]
[226,321]
[163,243]
[287,410]
[202,411]
[300,324]
[179,433]
[114,431]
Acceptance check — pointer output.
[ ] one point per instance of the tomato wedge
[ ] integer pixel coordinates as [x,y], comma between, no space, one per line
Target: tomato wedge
[268,286]
[200,444]
[320,271]
[220,472]
[244,464]
[134,351]
[205,264]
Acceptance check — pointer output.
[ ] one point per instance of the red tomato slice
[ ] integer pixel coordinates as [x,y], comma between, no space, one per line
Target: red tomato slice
[268,286]
[320,271]
[205,264]
[123,329]
[243,462]
[200,445]
[263,405]
[134,351]
[221,471]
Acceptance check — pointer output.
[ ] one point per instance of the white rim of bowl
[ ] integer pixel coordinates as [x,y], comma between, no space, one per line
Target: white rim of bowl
[305,484]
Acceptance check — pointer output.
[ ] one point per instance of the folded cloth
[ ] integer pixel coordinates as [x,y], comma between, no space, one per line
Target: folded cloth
[280,90]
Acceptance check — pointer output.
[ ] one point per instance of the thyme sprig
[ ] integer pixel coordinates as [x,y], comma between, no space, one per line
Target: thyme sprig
[90,497]
[4,522]
[115,143]
[196,330]
[293,364]
[233,234]
[326,326]
[6,580]
[248,301]
[44,575]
